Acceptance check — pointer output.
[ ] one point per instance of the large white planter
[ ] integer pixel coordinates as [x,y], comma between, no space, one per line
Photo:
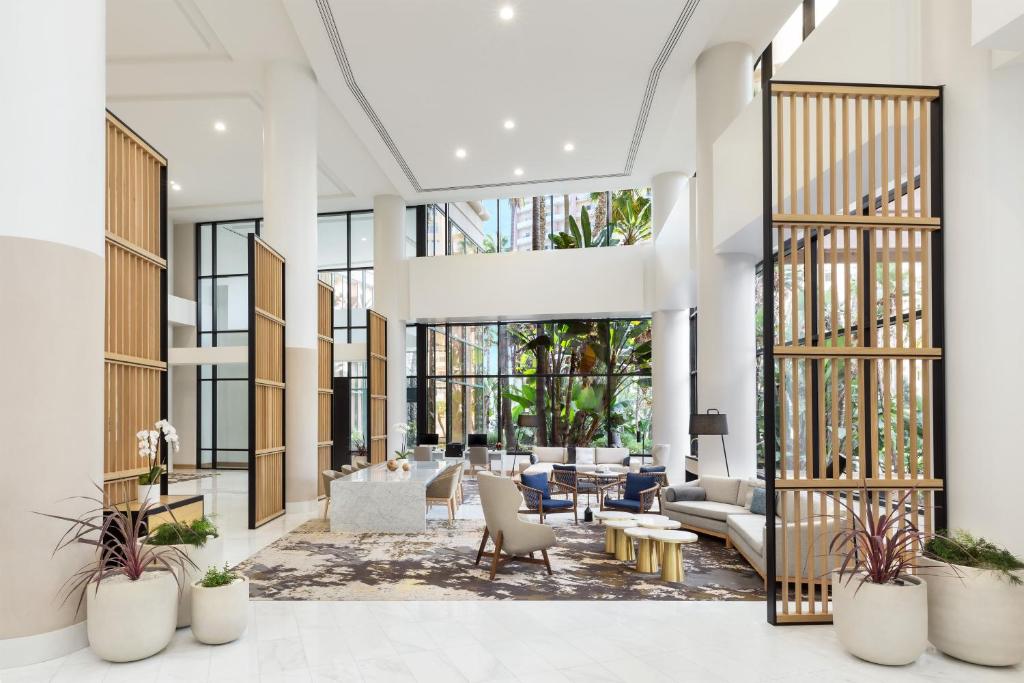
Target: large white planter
[881,623]
[205,556]
[977,617]
[149,493]
[129,620]
[220,615]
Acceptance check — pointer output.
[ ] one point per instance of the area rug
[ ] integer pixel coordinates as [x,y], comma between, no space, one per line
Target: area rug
[311,563]
[188,475]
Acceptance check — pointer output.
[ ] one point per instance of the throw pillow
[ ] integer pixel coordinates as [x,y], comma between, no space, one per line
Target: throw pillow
[584,456]
[757,502]
[682,492]
[747,491]
[721,489]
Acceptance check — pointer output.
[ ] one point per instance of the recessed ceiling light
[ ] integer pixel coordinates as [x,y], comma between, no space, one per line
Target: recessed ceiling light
[568,147]
[518,171]
[509,124]
[460,153]
[220,126]
[175,186]
[506,13]
[362,239]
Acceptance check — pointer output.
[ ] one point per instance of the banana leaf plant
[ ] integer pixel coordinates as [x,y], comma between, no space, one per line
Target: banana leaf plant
[581,234]
[631,217]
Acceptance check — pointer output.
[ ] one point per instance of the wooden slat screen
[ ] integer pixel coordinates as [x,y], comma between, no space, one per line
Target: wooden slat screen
[135,313]
[266,383]
[377,381]
[325,380]
[854,350]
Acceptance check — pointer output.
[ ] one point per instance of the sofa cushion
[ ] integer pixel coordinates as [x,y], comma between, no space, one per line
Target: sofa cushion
[539,468]
[610,456]
[622,504]
[549,454]
[757,502]
[747,487]
[750,528]
[537,481]
[584,456]
[706,508]
[660,454]
[721,489]
[683,492]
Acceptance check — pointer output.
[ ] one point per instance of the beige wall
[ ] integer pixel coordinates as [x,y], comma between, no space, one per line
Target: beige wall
[51,421]
[183,377]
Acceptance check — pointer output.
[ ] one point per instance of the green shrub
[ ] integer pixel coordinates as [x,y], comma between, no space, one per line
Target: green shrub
[964,549]
[175,533]
[219,577]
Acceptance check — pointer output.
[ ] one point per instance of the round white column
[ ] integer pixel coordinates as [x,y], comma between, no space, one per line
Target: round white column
[52,170]
[670,320]
[725,283]
[290,227]
[390,300]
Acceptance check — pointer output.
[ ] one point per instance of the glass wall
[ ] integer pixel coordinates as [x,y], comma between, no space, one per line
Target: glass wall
[589,379]
[222,301]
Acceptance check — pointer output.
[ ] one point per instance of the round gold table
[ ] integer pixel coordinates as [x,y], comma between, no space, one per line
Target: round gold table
[671,543]
[646,559]
[609,533]
[623,546]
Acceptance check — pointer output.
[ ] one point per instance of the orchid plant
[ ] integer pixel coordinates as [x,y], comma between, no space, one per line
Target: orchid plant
[149,448]
[403,429]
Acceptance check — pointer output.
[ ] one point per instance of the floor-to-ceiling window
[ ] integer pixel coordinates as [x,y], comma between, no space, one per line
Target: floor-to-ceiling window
[589,379]
[222,266]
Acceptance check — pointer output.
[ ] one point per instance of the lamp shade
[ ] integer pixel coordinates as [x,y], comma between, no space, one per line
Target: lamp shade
[708,424]
[528,421]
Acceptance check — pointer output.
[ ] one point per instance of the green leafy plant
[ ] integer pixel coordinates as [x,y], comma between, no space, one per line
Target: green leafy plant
[967,550]
[178,533]
[148,447]
[580,235]
[215,578]
[631,216]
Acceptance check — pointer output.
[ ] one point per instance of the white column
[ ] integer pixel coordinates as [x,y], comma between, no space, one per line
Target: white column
[390,299]
[670,350]
[725,282]
[289,210]
[52,169]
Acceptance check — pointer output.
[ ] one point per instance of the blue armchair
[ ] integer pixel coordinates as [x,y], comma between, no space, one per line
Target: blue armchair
[537,491]
[637,493]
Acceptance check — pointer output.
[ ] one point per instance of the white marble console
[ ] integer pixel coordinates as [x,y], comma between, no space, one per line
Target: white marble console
[377,499]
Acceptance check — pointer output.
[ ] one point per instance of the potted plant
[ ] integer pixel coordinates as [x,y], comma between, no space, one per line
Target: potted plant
[149,448]
[130,587]
[201,543]
[220,606]
[404,452]
[977,615]
[880,610]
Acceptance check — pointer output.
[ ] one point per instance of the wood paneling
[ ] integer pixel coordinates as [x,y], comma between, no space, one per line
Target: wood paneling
[135,313]
[266,383]
[325,380]
[852,343]
[377,380]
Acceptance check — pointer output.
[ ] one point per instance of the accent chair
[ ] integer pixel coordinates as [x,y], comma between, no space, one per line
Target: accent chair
[422,454]
[477,456]
[637,493]
[327,476]
[568,479]
[518,539]
[444,490]
[537,490]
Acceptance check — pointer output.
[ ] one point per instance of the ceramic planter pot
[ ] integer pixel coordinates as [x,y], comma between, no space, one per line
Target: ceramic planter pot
[220,615]
[130,620]
[881,623]
[150,493]
[977,616]
[210,554]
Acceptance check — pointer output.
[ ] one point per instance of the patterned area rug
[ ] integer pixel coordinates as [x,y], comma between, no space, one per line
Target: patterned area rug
[311,563]
[188,475]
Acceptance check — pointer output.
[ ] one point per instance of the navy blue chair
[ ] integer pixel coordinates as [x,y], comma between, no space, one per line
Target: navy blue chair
[656,469]
[637,493]
[537,491]
[568,478]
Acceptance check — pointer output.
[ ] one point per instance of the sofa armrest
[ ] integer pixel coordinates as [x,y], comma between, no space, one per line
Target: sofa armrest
[681,492]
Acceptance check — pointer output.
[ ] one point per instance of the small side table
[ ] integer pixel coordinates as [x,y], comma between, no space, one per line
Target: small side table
[672,552]
[623,546]
[609,534]
[646,559]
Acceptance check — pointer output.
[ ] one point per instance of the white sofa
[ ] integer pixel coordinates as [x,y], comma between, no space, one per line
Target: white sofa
[587,459]
[720,506]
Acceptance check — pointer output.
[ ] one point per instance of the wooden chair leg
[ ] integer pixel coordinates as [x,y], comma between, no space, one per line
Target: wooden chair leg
[483,544]
[451,510]
[497,554]
[547,562]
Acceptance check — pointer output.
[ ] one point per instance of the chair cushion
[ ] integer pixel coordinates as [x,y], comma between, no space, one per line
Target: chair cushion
[750,528]
[610,456]
[564,468]
[537,481]
[556,504]
[584,456]
[635,483]
[644,469]
[621,503]
[706,508]
[721,489]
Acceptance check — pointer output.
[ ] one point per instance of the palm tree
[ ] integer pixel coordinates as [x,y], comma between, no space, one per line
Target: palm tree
[601,212]
[540,222]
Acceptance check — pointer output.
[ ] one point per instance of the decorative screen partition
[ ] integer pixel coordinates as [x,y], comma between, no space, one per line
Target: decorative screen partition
[135,346]
[853,323]
[377,379]
[266,383]
[325,381]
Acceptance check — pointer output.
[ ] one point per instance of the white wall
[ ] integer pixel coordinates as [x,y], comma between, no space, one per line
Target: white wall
[565,282]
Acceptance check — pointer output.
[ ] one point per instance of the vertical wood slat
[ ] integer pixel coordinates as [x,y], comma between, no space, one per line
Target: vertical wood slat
[135,265]
[887,155]
[325,377]
[377,385]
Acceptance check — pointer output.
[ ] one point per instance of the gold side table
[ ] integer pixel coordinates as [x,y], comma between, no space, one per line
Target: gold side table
[609,533]
[623,545]
[646,558]
[672,552]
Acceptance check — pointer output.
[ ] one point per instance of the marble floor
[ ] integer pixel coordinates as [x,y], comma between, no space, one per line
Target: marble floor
[453,642]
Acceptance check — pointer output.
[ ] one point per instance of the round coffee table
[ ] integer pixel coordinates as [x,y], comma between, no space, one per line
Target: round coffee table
[609,534]
[623,546]
[671,543]
[646,560]
[649,523]
[652,517]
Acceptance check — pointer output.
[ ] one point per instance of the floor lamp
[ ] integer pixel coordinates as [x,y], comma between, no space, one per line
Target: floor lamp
[711,423]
